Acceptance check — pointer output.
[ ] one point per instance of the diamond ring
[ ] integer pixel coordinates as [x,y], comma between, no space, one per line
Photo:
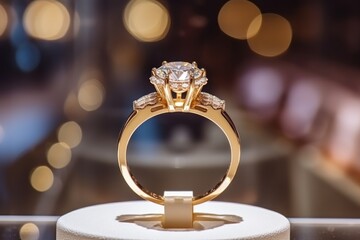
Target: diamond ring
[178,89]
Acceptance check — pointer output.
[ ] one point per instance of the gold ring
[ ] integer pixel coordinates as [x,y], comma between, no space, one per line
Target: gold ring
[178,89]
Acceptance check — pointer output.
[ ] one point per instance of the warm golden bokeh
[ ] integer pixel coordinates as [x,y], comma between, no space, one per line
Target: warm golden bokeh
[29,231]
[236,16]
[91,95]
[42,179]
[4,20]
[70,133]
[146,20]
[59,155]
[72,109]
[46,20]
[274,36]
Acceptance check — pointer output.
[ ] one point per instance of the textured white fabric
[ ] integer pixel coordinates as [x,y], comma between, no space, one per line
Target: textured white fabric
[99,222]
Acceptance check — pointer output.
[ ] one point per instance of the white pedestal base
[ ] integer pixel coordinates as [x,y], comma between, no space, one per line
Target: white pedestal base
[99,222]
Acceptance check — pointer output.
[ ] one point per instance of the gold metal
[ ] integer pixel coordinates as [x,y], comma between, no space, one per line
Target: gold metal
[189,97]
[190,104]
[204,72]
[169,98]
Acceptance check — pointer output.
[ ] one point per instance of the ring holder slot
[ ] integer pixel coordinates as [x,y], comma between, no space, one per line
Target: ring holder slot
[178,209]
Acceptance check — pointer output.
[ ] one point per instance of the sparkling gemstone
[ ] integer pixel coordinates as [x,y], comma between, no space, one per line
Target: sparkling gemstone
[179,75]
[197,73]
[157,81]
[218,103]
[149,99]
[161,72]
[207,99]
[201,82]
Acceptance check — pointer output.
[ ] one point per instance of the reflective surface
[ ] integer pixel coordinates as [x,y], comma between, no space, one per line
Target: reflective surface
[44,228]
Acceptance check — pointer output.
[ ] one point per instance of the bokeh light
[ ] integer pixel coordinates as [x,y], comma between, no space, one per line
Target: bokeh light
[42,178]
[29,231]
[59,155]
[236,19]
[27,57]
[76,23]
[343,141]
[3,20]
[46,20]
[274,36]
[301,109]
[91,95]
[146,20]
[2,133]
[72,108]
[70,133]
[262,88]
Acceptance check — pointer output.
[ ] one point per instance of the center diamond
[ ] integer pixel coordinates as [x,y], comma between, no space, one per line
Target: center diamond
[179,75]
[179,71]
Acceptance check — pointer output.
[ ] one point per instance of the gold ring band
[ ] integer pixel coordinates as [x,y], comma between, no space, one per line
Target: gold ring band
[195,102]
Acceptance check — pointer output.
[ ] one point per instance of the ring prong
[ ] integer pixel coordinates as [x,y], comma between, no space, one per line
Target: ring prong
[190,96]
[164,62]
[203,72]
[153,71]
[194,63]
[169,98]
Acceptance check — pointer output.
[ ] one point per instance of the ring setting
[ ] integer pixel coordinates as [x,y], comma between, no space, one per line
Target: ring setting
[178,78]
[178,89]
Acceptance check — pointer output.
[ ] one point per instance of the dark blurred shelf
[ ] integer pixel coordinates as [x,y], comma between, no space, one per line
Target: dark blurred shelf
[319,187]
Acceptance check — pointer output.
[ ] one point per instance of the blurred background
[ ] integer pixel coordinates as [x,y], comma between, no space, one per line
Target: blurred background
[288,70]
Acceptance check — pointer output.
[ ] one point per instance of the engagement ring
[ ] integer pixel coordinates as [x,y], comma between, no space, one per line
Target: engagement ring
[178,89]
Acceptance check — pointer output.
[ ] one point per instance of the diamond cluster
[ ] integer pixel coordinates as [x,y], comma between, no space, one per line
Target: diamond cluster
[149,99]
[207,99]
[179,75]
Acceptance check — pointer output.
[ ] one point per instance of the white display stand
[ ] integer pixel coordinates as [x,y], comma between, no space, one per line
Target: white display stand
[100,222]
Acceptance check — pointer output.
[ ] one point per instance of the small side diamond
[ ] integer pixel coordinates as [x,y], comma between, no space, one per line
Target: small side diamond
[197,73]
[218,103]
[207,99]
[201,82]
[161,72]
[150,99]
[157,81]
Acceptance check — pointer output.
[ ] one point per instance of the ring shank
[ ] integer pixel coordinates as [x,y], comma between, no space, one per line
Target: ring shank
[218,116]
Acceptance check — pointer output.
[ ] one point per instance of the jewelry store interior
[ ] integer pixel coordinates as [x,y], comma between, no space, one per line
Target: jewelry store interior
[289,72]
